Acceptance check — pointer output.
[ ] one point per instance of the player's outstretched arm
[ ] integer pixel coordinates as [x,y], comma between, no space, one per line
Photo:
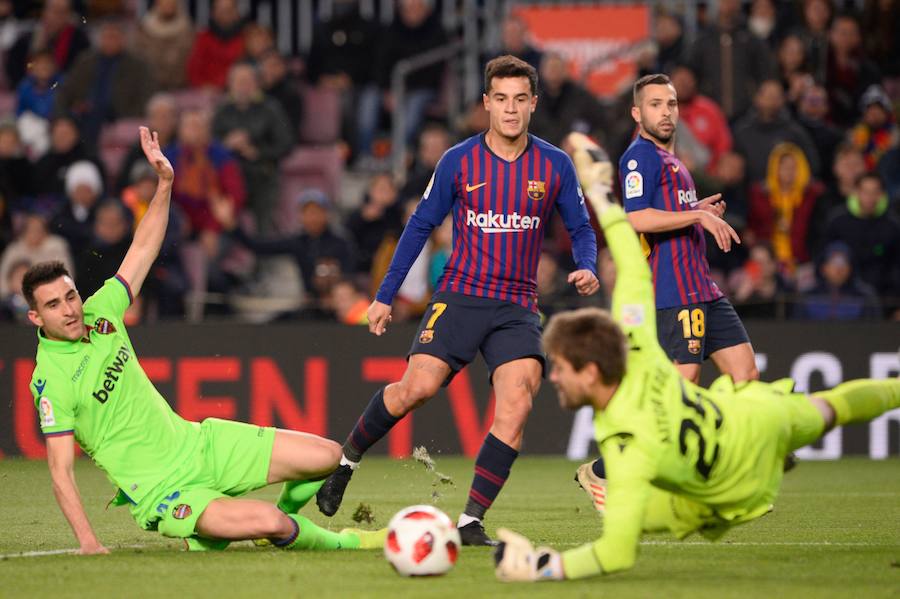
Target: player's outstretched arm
[149,235]
[61,461]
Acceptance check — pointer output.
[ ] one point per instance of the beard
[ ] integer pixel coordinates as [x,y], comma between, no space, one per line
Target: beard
[655,133]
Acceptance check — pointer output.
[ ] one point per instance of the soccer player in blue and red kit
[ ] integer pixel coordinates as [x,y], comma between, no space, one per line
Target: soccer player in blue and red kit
[694,319]
[501,187]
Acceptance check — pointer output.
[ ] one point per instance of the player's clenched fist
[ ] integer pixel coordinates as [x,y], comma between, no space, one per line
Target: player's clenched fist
[516,560]
[585,282]
[379,316]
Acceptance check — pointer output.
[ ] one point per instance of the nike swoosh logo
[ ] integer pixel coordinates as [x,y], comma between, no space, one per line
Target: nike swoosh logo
[675,168]
[471,188]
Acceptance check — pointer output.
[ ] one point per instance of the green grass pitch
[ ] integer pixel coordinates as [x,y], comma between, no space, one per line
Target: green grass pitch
[835,533]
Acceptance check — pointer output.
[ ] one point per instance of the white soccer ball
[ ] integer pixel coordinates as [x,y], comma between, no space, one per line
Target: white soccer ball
[422,541]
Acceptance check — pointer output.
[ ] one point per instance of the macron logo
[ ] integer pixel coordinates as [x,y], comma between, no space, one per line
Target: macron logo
[491,222]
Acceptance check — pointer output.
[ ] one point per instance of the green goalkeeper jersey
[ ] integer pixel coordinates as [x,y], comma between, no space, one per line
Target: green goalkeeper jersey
[95,389]
[659,430]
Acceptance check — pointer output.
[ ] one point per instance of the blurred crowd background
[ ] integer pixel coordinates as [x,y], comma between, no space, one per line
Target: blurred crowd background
[303,134]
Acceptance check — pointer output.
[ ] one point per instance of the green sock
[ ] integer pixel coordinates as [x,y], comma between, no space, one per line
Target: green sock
[316,538]
[297,493]
[862,400]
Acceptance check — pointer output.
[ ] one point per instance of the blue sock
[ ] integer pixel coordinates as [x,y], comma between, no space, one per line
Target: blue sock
[374,424]
[491,471]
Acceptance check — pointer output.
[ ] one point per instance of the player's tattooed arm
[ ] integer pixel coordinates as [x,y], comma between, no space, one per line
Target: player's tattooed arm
[61,461]
[149,235]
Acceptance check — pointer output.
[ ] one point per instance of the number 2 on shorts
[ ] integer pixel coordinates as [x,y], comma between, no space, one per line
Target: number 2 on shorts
[438,308]
[691,322]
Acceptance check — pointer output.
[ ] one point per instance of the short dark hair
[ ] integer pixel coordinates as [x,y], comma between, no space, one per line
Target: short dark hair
[652,79]
[585,336]
[507,66]
[870,176]
[41,274]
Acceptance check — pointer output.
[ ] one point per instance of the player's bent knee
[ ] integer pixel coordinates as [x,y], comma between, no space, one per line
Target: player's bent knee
[410,395]
[270,522]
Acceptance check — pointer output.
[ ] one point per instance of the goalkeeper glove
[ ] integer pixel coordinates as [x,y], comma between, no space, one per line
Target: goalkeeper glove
[594,170]
[516,560]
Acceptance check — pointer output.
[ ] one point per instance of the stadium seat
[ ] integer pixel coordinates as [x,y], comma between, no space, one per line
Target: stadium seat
[115,140]
[321,115]
[193,99]
[306,167]
[8,103]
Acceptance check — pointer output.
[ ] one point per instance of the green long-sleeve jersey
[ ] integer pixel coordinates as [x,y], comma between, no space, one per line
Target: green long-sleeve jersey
[659,430]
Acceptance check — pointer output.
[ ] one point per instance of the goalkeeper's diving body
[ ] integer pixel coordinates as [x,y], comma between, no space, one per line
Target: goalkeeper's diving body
[179,477]
[679,457]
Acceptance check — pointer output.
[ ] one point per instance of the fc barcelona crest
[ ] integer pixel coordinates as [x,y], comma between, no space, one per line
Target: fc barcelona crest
[426,336]
[181,511]
[694,346]
[104,327]
[536,190]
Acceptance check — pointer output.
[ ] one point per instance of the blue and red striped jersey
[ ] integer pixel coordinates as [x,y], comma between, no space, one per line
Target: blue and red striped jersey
[500,210]
[654,178]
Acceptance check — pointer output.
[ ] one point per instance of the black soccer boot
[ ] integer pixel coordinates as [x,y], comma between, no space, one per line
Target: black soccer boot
[329,497]
[473,534]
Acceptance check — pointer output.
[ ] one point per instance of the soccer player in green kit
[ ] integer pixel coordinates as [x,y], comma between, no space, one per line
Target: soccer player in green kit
[179,477]
[679,457]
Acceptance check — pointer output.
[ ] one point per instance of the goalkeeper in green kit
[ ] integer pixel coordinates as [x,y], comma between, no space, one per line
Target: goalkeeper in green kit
[181,478]
[678,457]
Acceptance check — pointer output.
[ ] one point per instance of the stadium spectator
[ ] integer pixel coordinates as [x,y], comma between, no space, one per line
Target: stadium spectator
[703,117]
[255,128]
[163,40]
[877,132]
[161,115]
[348,303]
[846,169]
[792,69]
[766,125]
[66,149]
[14,306]
[565,105]
[16,177]
[206,169]
[56,31]
[667,48]
[106,248]
[380,216]
[781,208]
[33,244]
[812,114]
[441,248]
[258,41]
[849,72]
[106,83]
[872,233]
[340,59]
[838,293]
[758,288]
[767,21]
[725,50]
[10,28]
[217,47]
[728,178]
[881,22]
[889,169]
[417,30]
[36,93]
[318,249]
[74,220]
[814,35]
[279,83]
[434,140]
[515,40]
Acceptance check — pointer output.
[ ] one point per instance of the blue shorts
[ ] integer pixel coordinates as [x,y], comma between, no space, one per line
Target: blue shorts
[456,326]
[691,333]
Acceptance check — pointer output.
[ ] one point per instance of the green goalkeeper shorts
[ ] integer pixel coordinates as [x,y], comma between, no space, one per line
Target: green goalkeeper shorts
[233,460]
